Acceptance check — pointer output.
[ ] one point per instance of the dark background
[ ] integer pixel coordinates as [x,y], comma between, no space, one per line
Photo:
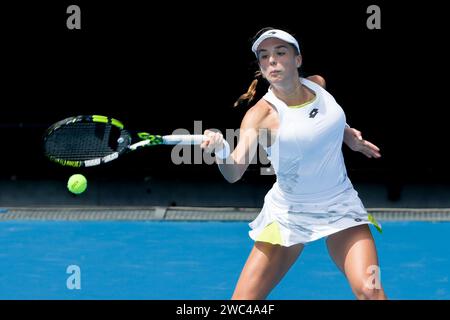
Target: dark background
[160,66]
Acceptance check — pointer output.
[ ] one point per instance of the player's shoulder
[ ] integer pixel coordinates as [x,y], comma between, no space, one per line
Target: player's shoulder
[317,79]
[256,115]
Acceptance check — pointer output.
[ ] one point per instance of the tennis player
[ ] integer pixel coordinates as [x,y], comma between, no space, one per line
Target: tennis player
[312,197]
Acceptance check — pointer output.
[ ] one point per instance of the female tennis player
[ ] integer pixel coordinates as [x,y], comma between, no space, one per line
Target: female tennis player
[312,196]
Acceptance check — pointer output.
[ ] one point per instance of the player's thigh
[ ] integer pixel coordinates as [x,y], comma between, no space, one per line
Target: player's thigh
[265,267]
[353,247]
[354,252]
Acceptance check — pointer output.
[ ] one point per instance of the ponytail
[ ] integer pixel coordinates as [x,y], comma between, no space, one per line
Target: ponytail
[251,92]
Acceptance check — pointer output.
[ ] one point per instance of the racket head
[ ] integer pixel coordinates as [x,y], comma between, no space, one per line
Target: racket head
[85,141]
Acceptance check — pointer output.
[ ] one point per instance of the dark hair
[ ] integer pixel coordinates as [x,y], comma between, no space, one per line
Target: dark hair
[251,91]
[260,32]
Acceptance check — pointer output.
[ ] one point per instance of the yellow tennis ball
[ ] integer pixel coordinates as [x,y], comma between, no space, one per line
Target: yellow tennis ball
[77,184]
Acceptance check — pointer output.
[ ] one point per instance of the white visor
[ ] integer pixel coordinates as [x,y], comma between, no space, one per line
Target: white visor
[275,33]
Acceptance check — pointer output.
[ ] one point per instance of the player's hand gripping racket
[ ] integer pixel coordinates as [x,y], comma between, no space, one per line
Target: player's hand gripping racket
[86,141]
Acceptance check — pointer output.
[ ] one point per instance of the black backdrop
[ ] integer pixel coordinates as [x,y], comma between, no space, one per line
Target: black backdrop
[160,66]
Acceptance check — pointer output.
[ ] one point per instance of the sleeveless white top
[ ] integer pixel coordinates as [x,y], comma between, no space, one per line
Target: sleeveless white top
[312,196]
[307,152]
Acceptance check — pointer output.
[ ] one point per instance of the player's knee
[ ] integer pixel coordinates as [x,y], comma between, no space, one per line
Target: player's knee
[248,295]
[368,293]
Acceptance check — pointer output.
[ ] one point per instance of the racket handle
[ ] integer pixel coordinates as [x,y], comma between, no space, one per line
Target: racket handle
[184,139]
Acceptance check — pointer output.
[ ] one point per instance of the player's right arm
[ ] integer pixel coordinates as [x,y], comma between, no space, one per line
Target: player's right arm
[238,161]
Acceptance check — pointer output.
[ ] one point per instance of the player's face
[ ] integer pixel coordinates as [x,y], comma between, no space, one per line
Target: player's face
[278,60]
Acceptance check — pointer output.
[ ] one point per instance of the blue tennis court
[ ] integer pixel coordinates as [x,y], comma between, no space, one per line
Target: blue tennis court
[199,260]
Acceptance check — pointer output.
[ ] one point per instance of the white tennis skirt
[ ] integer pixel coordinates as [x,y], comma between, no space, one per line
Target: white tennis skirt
[287,219]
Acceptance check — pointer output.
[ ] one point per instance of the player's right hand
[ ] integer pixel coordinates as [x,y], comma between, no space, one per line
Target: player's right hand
[214,141]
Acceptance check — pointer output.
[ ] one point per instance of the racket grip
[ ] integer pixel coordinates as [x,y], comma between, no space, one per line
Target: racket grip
[184,139]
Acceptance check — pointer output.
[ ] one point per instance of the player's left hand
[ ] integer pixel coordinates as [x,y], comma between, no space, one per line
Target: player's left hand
[353,139]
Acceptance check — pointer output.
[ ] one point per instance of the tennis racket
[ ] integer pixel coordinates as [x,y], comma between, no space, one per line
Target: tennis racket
[92,140]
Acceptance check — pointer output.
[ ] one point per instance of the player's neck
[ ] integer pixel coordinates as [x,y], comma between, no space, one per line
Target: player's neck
[293,94]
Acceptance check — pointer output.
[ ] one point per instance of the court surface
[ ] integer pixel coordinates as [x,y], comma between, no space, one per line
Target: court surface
[200,260]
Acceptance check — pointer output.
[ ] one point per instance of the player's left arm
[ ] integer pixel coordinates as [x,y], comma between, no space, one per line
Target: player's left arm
[352,137]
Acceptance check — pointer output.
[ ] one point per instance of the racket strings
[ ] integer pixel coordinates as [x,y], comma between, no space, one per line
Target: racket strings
[84,141]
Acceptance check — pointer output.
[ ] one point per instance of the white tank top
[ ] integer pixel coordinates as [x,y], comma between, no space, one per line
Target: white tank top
[307,151]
